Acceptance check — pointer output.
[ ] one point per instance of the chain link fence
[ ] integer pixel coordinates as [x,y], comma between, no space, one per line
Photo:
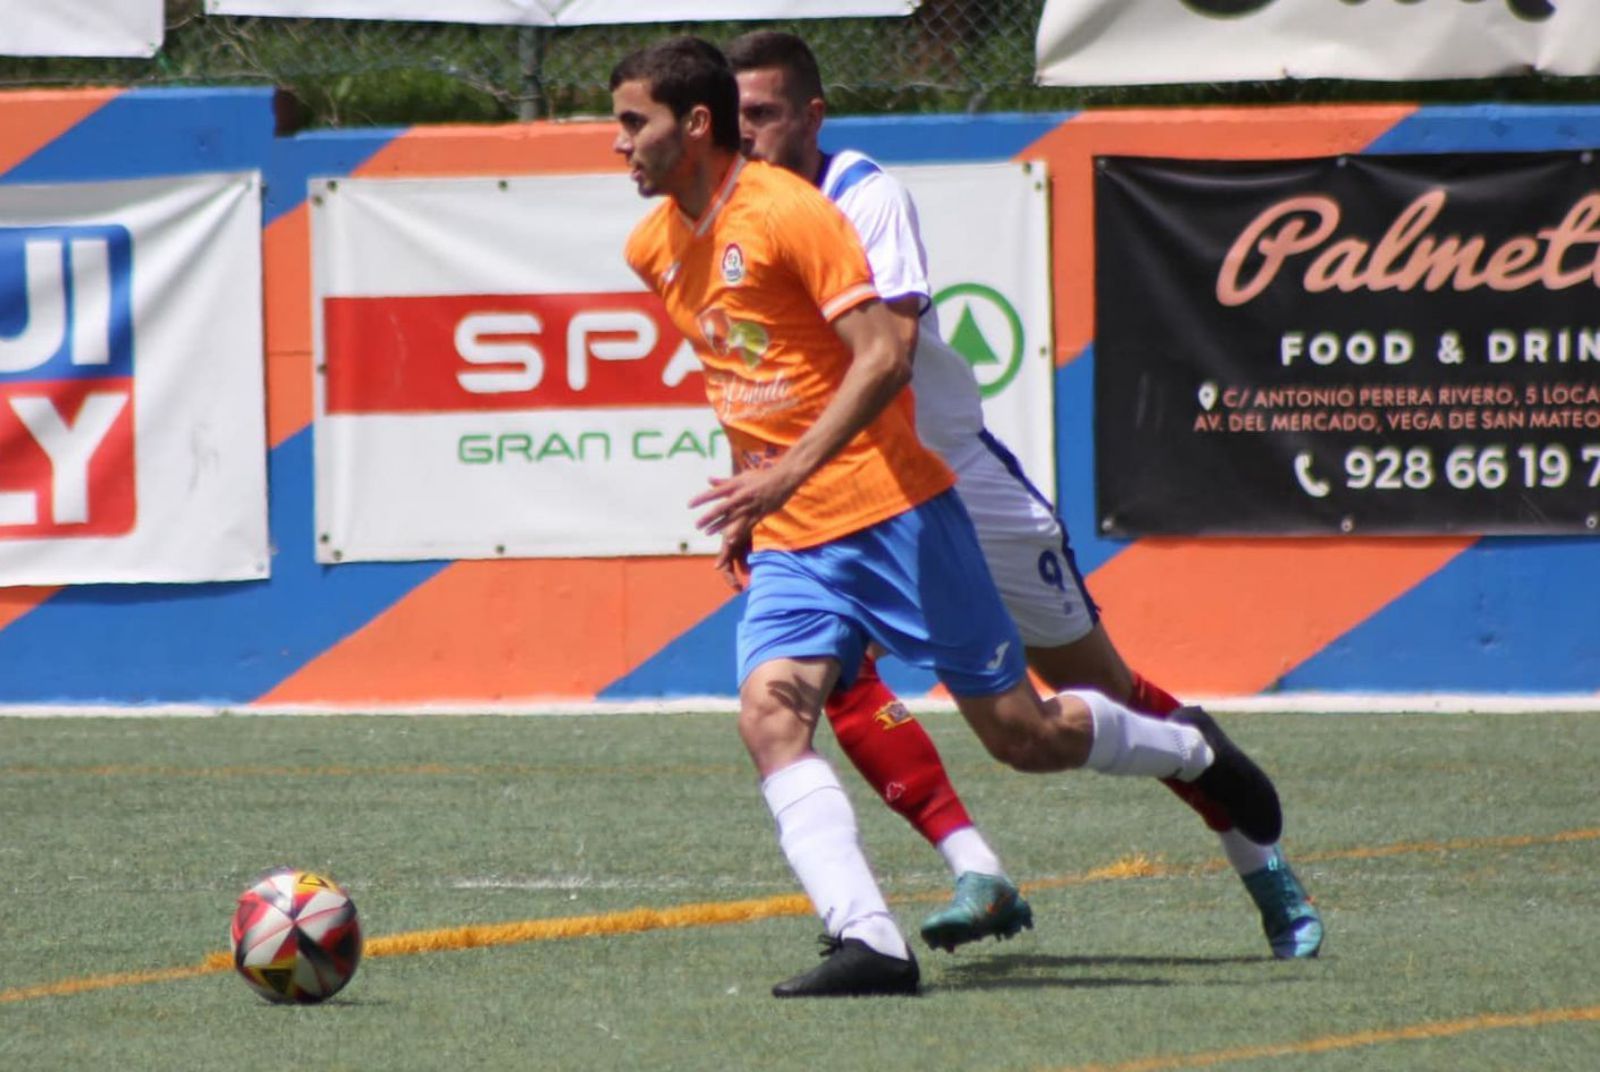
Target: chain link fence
[949,56]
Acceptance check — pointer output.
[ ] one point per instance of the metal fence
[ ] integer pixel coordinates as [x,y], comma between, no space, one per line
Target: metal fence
[950,55]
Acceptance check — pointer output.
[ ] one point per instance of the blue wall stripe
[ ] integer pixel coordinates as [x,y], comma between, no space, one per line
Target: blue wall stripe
[699,662]
[204,643]
[317,154]
[1497,618]
[149,132]
[929,139]
[1492,128]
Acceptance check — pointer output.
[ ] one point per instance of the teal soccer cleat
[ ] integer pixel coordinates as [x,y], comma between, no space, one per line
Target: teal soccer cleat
[1292,923]
[982,905]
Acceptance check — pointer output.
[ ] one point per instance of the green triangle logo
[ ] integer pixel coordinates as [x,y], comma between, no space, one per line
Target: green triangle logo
[968,341]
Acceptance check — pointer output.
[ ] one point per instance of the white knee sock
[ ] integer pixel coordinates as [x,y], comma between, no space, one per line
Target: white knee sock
[1245,855]
[966,850]
[817,831]
[1130,743]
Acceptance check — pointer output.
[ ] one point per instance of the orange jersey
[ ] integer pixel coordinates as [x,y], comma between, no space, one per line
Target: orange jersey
[754,284]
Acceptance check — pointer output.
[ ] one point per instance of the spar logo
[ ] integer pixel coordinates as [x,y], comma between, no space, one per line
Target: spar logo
[66,382]
[469,353]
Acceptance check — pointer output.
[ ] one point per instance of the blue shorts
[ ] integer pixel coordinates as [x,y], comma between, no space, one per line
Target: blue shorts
[916,584]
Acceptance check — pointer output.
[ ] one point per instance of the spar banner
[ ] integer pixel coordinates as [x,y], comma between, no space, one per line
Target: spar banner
[495,382]
[132,424]
[1365,344]
[564,12]
[1131,42]
[81,27]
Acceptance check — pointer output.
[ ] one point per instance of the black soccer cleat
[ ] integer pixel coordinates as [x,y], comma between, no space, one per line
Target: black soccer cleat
[1234,781]
[851,968]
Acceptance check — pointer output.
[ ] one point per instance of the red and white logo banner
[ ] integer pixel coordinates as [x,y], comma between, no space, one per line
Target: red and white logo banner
[1133,42]
[132,426]
[495,382]
[564,12]
[81,27]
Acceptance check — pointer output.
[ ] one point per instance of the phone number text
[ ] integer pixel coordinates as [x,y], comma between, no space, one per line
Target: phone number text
[1466,467]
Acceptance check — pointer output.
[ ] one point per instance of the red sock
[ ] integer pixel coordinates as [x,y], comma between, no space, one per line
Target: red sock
[895,755]
[1148,698]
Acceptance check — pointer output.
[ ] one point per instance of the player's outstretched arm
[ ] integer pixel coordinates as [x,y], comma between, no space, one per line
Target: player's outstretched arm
[880,367]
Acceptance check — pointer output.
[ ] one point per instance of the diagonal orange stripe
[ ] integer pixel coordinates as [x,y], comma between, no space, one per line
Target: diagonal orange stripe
[33,119]
[510,149]
[506,631]
[1230,617]
[1195,133]
[17,602]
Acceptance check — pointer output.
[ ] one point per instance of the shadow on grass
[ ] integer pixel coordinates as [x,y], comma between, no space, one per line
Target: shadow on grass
[1034,970]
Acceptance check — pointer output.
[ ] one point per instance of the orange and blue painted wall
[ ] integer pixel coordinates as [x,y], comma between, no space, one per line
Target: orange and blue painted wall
[1213,617]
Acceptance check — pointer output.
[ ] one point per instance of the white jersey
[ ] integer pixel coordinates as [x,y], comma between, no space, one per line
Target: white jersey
[949,405]
[1023,539]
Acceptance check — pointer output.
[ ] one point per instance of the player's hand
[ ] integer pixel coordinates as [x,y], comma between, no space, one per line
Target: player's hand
[739,502]
[733,562]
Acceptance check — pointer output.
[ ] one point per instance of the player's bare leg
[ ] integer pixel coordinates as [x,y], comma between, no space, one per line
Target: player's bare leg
[899,760]
[780,703]
[1290,920]
[1088,729]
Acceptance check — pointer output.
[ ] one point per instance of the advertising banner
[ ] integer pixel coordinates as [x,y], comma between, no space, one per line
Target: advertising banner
[495,381]
[1372,344]
[564,12]
[81,27]
[1134,42]
[132,423]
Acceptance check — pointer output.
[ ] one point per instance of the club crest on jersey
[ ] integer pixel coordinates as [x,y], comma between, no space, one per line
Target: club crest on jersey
[733,265]
[727,336]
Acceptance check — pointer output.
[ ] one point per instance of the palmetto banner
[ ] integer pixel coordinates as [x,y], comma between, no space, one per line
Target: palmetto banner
[1131,42]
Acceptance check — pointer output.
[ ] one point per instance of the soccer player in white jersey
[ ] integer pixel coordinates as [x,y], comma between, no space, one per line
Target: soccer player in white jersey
[1024,540]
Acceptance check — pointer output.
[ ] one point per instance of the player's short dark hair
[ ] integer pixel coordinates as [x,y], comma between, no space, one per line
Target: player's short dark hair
[683,72]
[775,48]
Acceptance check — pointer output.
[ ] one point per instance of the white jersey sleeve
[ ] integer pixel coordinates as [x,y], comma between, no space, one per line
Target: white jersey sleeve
[948,404]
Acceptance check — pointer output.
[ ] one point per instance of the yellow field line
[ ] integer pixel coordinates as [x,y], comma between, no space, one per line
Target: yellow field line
[107,982]
[718,913]
[1141,867]
[1436,1029]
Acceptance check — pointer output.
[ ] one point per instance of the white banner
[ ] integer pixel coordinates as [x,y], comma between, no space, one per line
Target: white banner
[81,27]
[495,382]
[1130,42]
[132,413]
[564,12]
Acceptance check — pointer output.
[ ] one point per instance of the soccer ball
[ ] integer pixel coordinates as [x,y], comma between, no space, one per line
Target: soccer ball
[296,937]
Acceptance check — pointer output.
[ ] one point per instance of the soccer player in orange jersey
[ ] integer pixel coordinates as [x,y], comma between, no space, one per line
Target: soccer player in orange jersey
[843,527]
[781,111]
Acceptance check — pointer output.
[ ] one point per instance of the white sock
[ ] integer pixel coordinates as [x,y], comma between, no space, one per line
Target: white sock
[1129,743]
[1245,855]
[817,831]
[966,850]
